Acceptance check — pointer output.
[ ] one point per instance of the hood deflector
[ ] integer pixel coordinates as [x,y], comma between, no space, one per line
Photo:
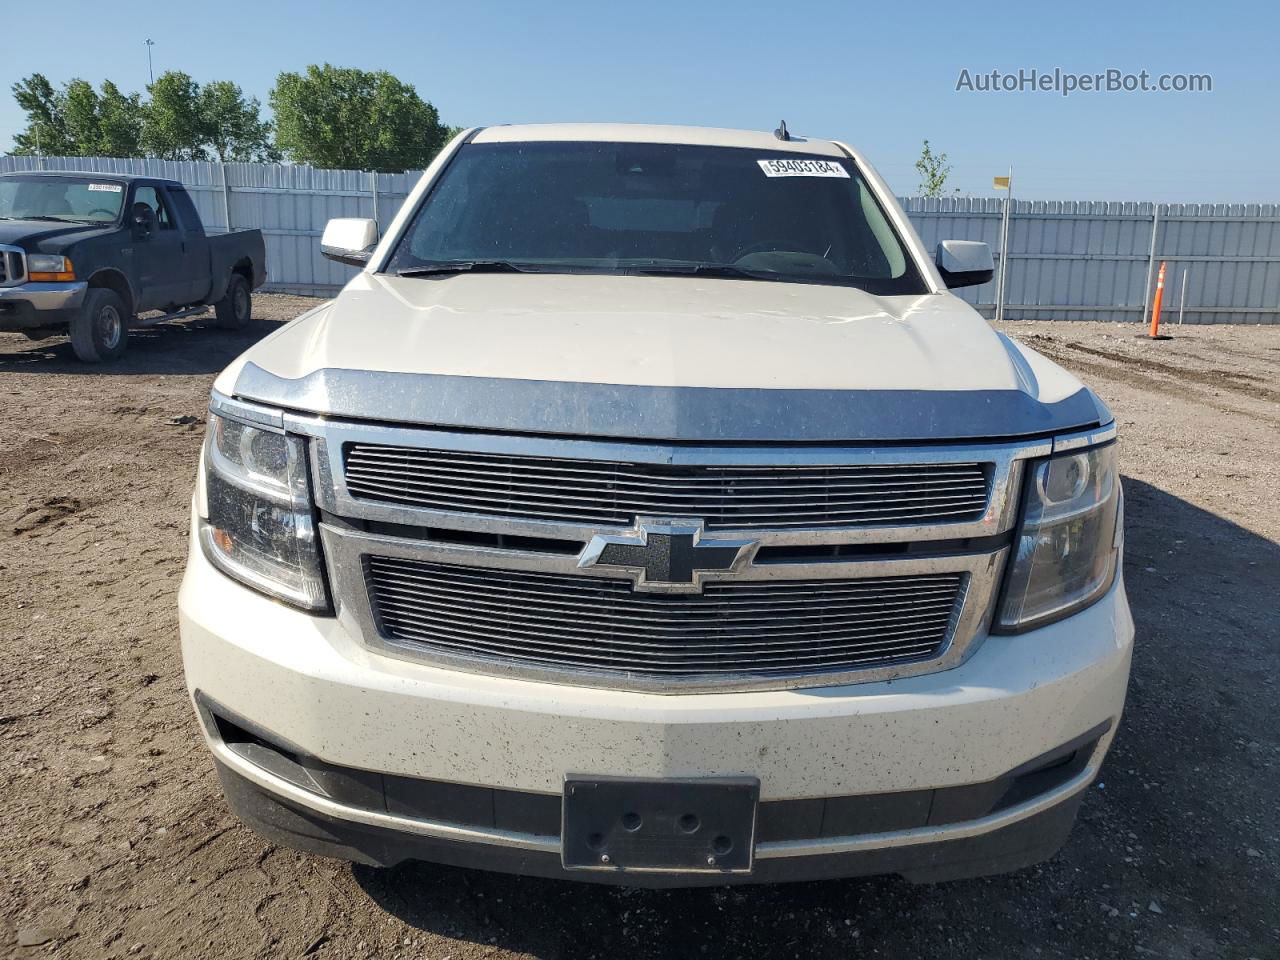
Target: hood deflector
[681,414]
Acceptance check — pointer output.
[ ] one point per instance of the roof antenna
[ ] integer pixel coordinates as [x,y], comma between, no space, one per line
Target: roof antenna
[781,133]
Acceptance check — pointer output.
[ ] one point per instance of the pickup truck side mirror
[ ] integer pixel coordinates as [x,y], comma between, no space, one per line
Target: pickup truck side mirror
[144,221]
[965,263]
[349,240]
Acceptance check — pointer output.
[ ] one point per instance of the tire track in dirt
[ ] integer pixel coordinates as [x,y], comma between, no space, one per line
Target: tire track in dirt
[1119,371]
[1229,379]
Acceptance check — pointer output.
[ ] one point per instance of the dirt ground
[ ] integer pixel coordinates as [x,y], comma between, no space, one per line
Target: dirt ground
[116,842]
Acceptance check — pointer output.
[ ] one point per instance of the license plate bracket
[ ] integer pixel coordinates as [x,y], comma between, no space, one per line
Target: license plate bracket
[696,825]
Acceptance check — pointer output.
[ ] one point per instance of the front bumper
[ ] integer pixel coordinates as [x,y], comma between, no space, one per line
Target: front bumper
[31,306]
[321,695]
[984,849]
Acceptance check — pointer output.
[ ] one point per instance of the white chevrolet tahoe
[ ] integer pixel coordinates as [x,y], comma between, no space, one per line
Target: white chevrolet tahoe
[647,511]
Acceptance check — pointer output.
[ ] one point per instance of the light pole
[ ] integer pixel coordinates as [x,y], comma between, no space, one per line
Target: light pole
[150,70]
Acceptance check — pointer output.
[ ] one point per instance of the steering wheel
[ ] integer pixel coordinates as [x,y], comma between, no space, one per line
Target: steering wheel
[111,214]
[760,246]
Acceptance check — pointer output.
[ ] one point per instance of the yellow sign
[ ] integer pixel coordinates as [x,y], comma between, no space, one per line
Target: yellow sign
[1000,183]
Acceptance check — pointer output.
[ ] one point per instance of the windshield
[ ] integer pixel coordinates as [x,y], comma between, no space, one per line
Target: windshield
[60,198]
[657,208]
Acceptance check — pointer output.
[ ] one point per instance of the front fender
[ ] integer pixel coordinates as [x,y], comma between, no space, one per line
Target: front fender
[117,280]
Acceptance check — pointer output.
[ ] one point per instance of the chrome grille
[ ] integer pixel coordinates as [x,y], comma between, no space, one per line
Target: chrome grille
[761,628]
[12,270]
[610,492]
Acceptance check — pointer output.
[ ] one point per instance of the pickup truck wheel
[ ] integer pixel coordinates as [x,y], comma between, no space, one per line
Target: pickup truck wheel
[235,309]
[100,332]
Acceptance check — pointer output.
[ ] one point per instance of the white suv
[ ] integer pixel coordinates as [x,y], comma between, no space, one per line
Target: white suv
[647,511]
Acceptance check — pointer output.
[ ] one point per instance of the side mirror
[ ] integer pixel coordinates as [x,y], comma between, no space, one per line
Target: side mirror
[965,263]
[349,240]
[144,224]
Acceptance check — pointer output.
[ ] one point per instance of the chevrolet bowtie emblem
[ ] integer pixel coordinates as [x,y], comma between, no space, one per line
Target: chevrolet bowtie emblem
[665,555]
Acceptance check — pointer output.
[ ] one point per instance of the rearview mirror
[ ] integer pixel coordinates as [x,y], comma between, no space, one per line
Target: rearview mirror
[349,240]
[965,263]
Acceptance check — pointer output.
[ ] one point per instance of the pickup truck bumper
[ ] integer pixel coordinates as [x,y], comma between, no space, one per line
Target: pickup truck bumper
[329,747]
[32,306]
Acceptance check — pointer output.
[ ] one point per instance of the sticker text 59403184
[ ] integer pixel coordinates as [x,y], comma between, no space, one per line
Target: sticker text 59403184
[798,167]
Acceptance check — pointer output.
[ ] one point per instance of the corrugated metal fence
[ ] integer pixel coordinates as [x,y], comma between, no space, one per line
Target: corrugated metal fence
[1093,260]
[1068,260]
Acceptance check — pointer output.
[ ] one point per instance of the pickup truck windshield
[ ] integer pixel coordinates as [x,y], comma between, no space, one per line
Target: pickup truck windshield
[641,208]
[60,198]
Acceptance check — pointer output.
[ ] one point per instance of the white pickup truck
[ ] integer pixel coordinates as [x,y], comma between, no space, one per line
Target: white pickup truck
[647,511]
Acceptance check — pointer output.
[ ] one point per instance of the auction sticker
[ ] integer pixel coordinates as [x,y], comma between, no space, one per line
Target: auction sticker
[106,188]
[802,168]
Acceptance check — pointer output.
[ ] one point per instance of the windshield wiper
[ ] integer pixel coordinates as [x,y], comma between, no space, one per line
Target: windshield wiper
[464,266]
[722,270]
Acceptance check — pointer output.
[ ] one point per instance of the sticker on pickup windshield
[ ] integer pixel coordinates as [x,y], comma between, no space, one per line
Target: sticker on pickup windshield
[106,187]
[802,168]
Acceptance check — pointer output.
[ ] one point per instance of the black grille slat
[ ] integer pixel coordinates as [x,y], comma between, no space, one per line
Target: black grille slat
[592,630]
[572,488]
[619,518]
[679,621]
[572,639]
[517,644]
[374,469]
[943,492]
[615,493]
[619,469]
[768,599]
[732,629]
[831,664]
[603,660]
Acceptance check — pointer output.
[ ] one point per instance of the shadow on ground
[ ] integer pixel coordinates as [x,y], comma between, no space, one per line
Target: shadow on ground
[177,347]
[1178,818]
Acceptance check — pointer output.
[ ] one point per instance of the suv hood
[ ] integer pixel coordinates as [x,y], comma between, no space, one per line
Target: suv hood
[681,358]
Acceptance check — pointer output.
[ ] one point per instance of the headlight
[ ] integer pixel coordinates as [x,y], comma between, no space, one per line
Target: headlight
[1067,547]
[260,528]
[46,268]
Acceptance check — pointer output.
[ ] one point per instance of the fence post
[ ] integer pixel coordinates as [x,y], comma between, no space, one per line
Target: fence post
[226,196]
[1151,263]
[1182,301]
[1002,281]
[373,180]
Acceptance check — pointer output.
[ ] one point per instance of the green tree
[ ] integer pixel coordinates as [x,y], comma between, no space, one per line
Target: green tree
[354,119]
[934,170]
[172,125]
[79,105]
[187,121]
[46,132]
[77,121]
[119,122]
[233,126]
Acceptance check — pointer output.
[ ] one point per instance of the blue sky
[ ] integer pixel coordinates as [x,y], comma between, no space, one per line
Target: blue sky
[881,76]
